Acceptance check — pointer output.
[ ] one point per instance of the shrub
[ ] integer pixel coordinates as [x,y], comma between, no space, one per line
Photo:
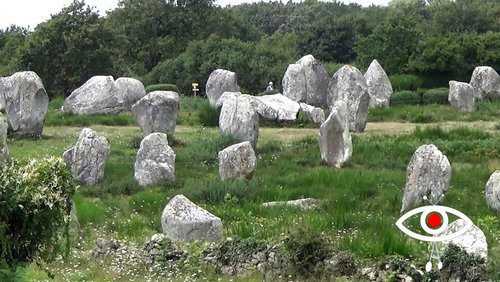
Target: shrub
[406,97]
[35,203]
[208,115]
[405,82]
[462,266]
[162,87]
[435,96]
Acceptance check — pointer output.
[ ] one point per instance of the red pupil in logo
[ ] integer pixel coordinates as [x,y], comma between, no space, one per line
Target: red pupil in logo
[434,220]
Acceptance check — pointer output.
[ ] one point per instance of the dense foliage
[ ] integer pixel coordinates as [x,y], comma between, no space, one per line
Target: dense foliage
[181,42]
[35,204]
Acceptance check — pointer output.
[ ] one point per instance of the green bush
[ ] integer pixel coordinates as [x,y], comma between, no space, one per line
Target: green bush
[208,115]
[405,82]
[405,97]
[462,266]
[435,96]
[420,97]
[35,203]
[162,87]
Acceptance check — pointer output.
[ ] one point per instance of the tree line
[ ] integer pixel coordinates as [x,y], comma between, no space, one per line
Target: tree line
[182,41]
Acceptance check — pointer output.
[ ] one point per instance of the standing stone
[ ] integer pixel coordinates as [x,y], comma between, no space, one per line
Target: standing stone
[313,114]
[25,101]
[3,82]
[379,85]
[94,97]
[237,161]
[461,96]
[182,220]
[306,81]
[275,107]
[349,84]
[239,118]
[335,142]
[428,174]
[221,81]
[485,80]
[128,91]
[492,191]
[4,151]
[157,112]
[87,158]
[472,241]
[155,160]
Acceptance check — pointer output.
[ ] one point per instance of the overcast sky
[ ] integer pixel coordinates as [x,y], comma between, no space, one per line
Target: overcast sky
[32,12]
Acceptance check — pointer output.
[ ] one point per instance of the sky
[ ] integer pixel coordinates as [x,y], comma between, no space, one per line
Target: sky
[32,12]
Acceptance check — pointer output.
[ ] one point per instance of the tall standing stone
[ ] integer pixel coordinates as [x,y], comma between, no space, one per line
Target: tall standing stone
[461,96]
[379,85]
[335,142]
[4,151]
[87,158]
[485,79]
[237,161]
[221,81]
[26,102]
[155,160]
[349,84]
[239,118]
[428,174]
[157,112]
[492,191]
[128,91]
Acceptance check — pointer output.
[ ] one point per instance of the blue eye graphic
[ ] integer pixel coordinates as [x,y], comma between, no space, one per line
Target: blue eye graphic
[434,220]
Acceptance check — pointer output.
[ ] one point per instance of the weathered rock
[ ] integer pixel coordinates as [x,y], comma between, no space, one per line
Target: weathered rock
[104,95]
[306,81]
[485,79]
[313,114]
[428,174]
[473,240]
[349,84]
[157,112]
[128,91]
[87,158]
[2,98]
[4,150]
[155,160]
[239,118]
[237,161]
[275,107]
[228,96]
[306,204]
[335,142]
[182,220]
[379,85]
[25,101]
[221,81]
[492,191]
[461,96]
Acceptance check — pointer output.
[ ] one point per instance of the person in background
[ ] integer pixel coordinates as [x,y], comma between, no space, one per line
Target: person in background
[270,86]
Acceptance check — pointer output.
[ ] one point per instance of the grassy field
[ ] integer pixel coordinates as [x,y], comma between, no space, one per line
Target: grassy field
[361,201]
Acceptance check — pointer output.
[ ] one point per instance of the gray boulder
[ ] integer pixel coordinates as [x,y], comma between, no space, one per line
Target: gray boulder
[461,96]
[87,158]
[155,160]
[492,191]
[379,85]
[237,161]
[239,118]
[485,79]
[306,81]
[305,204]
[4,151]
[472,241]
[104,95]
[313,114]
[2,98]
[182,220]
[221,81]
[349,84]
[25,101]
[335,142]
[157,112]
[228,96]
[275,107]
[428,174]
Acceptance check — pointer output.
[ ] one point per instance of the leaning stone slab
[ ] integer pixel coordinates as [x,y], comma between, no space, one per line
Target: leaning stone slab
[276,107]
[4,151]
[157,112]
[87,158]
[428,174]
[379,85]
[239,118]
[25,101]
[485,79]
[221,81]
[461,96]
[182,220]
[472,241]
[492,191]
[237,161]
[335,142]
[155,160]
[349,84]
[306,204]
[313,114]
